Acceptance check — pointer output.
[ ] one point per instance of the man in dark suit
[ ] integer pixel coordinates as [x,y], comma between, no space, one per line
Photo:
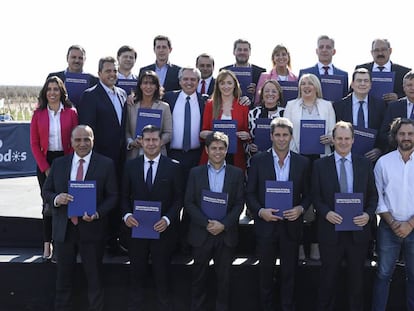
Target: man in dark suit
[403,108]
[167,72]
[205,63]
[75,57]
[103,108]
[275,233]
[381,51]
[241,51]
[82,234]
[152,177]
[189,78]
[359,103]
[346,173]
[211,237]
[325,50]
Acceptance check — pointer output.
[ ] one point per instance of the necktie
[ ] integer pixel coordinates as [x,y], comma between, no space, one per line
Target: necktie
[187,126]
[148,179]
[361,118]
[381,68]
[343,183]
[326,68]
[79,177]
[203,87]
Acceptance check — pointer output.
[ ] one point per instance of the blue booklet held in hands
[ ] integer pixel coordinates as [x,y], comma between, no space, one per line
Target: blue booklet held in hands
[128,85]
[279,195]
[382,83]
[310,133]
[262,134]
[364,140]
[228,127]
[147,116]
[147,213]
[84,198]
[75,84]
[214,204]
[348,205]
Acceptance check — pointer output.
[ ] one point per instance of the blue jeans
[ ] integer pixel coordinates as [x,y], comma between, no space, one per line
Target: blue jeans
[388,249]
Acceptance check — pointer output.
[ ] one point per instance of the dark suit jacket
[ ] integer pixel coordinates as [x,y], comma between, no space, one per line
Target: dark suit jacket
[324,186]
[262,169]
[102,170]
[211,86]
[167,188]
[171,82]
[400,72]
[376,110]
[256,71]
[233,186]
[96,110]
[394,110]
[336,71]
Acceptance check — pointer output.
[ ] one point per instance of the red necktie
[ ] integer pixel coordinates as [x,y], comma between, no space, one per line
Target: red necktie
[203,87]
[79,177]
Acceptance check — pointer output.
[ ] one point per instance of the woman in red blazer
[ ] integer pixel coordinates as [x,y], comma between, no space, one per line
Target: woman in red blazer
[50,131]
[225,105]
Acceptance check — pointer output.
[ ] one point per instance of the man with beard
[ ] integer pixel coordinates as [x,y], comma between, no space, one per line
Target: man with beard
[403,108]
[381,51]
[242,51]
[394,177]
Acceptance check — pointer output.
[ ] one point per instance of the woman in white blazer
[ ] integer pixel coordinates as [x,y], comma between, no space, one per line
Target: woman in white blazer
[310,106]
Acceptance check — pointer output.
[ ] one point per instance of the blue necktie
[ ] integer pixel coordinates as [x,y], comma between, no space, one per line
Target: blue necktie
[343,182]
[361,118]
[148,180]
[187,126]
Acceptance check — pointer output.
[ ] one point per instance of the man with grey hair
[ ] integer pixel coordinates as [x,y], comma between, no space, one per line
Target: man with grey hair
[381,51]
[278,234]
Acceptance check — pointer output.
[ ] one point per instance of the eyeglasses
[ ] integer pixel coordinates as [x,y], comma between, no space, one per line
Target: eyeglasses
[383,50]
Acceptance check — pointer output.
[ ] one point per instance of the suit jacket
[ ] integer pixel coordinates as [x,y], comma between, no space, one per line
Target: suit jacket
[293,112]
[96,110]
[336,71]
[171,82]
[262,169]
[400,72]
[131,125]
[394,110]
[256,71]
[211,86]
[167,188]
[39,134]
[233,186]
[324,186]
[376,110]
[102,170]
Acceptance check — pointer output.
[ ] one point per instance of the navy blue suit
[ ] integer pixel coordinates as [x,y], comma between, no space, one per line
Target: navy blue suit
[334,245]
[167,189]
[87,237]
[286,234]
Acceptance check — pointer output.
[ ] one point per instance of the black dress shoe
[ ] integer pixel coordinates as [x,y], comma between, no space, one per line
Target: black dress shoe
[45,259]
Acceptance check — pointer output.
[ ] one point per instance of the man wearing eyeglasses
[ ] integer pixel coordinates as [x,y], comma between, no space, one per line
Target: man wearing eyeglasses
[381,51]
